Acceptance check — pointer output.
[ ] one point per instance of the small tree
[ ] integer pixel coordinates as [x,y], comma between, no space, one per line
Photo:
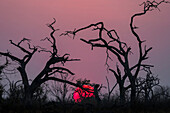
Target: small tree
[161,94]
[2,67]
[88,90]
[109,90]
[1,90]
[61,90]
[146,85]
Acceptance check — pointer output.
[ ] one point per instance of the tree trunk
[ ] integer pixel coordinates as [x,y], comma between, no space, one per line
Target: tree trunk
[96,93]
[28,99]
[133,93]
[122,94]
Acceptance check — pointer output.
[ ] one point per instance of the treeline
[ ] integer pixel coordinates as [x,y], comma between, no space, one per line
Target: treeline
[58,97]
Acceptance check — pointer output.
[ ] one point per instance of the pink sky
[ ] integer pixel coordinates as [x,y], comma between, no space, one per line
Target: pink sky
[28,18]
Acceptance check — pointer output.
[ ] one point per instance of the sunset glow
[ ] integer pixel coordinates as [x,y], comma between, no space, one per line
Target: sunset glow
[80,94]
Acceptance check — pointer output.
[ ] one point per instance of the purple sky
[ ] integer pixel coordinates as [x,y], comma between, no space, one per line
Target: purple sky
[28,18]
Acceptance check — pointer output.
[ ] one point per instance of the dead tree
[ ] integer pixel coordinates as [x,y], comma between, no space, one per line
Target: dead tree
[121,82]
[121,50]
[61,90]
[2,67]
[148,6]
[110,90]
[145,86]
[47,73]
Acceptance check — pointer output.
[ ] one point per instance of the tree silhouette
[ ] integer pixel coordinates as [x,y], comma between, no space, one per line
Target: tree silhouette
[2,67]
[95,89]
[47,73]
[146,85]
[121,50]
[109,90]
[61,90]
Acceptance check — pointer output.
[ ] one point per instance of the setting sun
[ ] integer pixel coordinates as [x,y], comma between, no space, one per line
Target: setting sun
[80,94]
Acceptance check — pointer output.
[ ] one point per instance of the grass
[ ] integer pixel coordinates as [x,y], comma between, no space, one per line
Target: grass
[85,107]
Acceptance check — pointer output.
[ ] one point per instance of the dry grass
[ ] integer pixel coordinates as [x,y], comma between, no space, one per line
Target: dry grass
[85,107]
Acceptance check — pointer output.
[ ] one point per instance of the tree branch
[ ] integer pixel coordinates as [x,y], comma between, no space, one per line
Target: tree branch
[62,69]
[11,57]
[24,50]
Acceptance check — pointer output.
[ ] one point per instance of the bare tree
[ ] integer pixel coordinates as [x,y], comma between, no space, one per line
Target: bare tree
[47,73]
[1,89]
[2,67]
[61,90]
[108,87]
[161,94]
[145,85]
[121,50]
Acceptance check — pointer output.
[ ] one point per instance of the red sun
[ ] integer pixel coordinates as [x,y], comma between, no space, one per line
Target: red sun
[80,94]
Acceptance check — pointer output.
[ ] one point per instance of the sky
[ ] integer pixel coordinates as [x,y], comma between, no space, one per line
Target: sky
[28,18]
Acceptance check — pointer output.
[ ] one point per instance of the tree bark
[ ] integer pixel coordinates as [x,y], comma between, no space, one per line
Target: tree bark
[122,94]
[28,99]
[133,92]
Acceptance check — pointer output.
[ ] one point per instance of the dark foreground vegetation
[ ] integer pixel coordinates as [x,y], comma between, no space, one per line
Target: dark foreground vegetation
[12,101]
[87,106]
[139,91]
